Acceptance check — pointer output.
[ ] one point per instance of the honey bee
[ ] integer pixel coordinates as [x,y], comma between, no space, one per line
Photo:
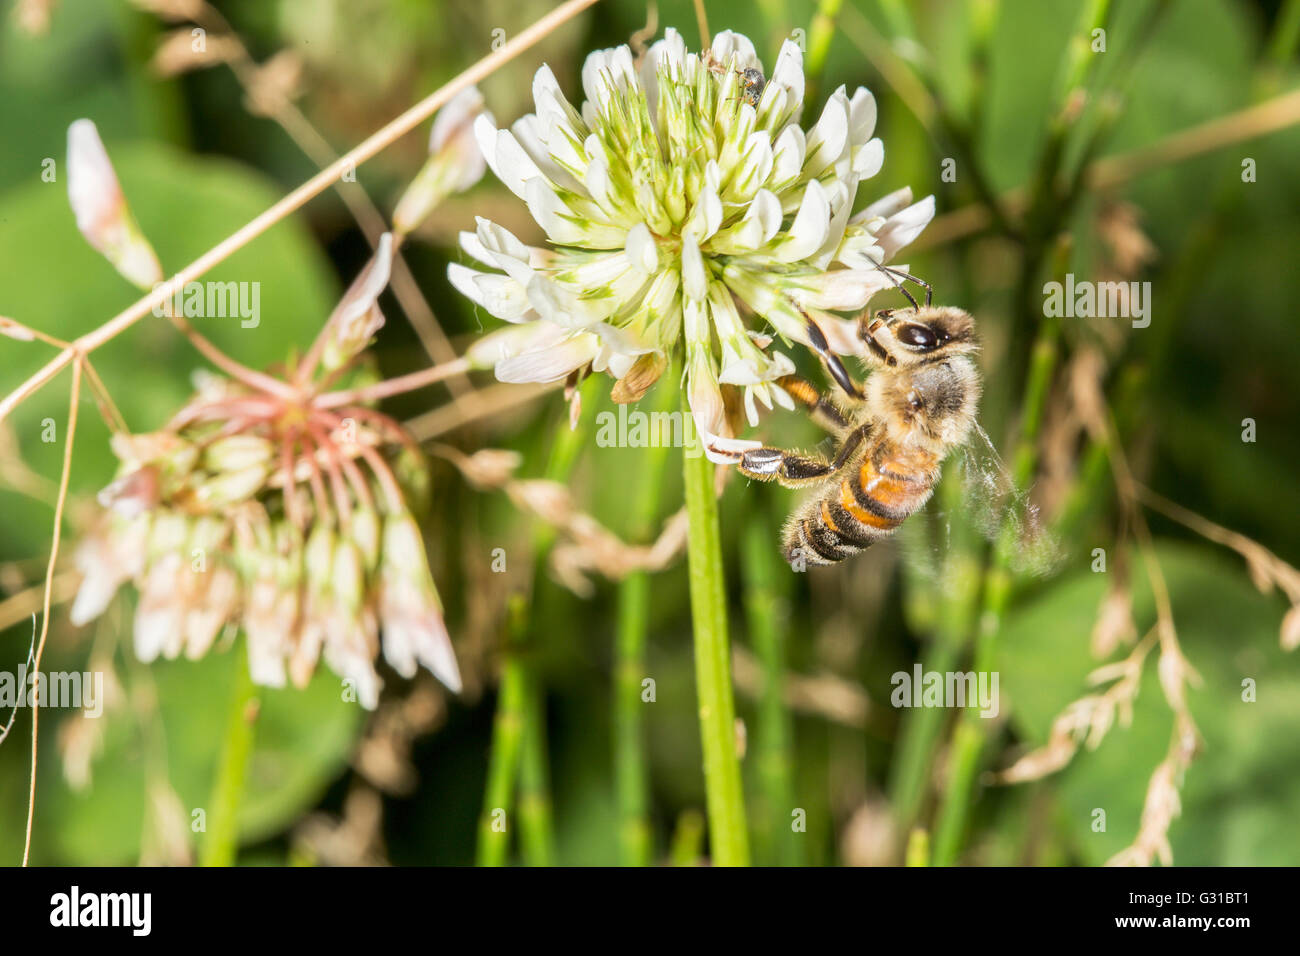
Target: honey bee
[919,404]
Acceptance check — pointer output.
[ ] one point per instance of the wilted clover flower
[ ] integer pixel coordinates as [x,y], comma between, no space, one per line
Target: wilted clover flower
[675,208]
[270,505]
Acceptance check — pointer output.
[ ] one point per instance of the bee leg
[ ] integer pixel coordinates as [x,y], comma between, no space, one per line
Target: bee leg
[787,468]
[817,342]
[793,471]
[868,326]
[820,408]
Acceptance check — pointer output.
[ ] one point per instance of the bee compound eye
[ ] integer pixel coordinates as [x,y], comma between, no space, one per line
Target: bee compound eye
[918,337]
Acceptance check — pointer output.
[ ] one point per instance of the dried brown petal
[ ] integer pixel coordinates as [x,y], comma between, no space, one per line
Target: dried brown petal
[645,371]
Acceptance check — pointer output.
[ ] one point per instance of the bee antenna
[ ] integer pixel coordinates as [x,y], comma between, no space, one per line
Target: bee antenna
[891,272]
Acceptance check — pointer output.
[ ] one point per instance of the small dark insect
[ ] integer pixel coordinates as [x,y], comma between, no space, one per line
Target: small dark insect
[754,82]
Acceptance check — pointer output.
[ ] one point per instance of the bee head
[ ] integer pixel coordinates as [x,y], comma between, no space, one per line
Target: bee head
[913,337]
[924,379]
[902,338]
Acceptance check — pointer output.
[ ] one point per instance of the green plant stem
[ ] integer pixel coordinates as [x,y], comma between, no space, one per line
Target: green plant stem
[536,823]
[957,601]
[687,844]
[767,611]
[507,738]
[972,730]
[983,28]
[959,133]
[631,777]
[222,843]
[918,848]
[536,819]
[725,798]
[631,781]
[820,33]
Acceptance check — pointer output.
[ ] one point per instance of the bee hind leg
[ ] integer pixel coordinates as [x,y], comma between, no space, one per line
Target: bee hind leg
[787,468]
[792,470]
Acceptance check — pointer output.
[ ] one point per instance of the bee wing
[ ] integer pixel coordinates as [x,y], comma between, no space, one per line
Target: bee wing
[1003,512]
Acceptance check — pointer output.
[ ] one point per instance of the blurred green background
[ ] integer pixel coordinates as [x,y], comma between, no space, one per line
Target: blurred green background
[330,784]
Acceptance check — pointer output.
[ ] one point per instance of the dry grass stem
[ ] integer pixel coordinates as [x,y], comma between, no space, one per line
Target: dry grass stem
[372,145]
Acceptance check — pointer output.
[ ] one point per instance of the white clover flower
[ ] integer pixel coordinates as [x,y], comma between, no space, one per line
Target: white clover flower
[675,208]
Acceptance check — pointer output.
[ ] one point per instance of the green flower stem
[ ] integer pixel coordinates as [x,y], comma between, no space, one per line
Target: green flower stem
[631,778]
[507,739]
[767,612]
[725,798]
[222,843]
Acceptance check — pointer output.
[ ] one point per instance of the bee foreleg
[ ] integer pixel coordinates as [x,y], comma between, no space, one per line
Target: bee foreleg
[817,342]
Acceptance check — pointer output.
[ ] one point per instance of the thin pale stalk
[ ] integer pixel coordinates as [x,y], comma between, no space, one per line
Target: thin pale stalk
[74,397]
[725,797]
[318,149]
[393,386]
[367,149]
[490,401]
[702,24]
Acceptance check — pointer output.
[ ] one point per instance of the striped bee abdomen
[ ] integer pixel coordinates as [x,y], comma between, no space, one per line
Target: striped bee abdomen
[854,513]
